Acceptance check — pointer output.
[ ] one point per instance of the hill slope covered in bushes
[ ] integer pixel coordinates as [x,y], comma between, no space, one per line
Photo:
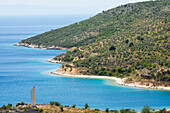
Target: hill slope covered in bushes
[128,40]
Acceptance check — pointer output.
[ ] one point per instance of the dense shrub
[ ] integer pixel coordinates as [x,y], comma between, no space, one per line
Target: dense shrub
[107,110]
[57,103]
[51,102]
[146,109]
[112,48]
[73,106]
[86,106]
[61,108]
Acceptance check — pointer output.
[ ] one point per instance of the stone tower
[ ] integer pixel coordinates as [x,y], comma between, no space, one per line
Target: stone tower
[33,96]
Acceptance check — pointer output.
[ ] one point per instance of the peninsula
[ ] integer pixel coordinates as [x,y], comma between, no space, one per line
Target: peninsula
[130,42]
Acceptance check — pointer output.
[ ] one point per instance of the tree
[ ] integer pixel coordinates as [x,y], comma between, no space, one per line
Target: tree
[140,38]
[102,73]
[109,73]
[51,103]
[86,106]
[120,69]
[112,48]
[22,103]
[4,107]
[163,110]
[154,66]
[9,106]
[131,44]
[57,103]
[41,110]
[61,108]
[102,69]
[114,69]
[146,109]
[116,111]
[107,110]
[122,111]
[127,41]
[71,58]
[73,106]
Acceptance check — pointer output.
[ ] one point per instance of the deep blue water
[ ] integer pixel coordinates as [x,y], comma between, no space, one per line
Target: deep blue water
[22,68]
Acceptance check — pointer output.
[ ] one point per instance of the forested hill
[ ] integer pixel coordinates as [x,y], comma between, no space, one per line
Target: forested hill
[131,39]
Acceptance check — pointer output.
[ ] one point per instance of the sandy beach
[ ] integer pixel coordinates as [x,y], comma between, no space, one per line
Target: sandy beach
[54,61]
[119,81]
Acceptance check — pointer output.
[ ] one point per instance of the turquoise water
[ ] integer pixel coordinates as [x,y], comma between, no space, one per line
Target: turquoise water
[22,68]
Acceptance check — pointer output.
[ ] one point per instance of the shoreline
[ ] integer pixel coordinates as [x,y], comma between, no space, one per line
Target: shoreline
[118,81]
[55,61]
[40,47]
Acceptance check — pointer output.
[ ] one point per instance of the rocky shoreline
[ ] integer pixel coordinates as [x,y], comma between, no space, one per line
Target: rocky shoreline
[40,46]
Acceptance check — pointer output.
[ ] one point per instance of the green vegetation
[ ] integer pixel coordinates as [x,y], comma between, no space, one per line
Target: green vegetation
[128,40]
[86,106]
[57,103]
[61,108]
[67,109]
[51,103]
[22,103]
[146,109]
[5,107]
[9,106]
[126,111]
[54,103]
[73,106]
[107,110]
[41,110]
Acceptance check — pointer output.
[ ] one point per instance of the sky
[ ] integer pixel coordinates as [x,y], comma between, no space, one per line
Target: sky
[58,7]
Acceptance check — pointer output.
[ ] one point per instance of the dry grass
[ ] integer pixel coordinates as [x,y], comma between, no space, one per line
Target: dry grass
[56,109]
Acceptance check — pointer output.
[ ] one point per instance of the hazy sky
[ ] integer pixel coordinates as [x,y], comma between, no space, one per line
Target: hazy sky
[58,7]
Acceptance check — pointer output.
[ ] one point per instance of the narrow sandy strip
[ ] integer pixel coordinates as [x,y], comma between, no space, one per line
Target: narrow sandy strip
[55,61]
[119,81]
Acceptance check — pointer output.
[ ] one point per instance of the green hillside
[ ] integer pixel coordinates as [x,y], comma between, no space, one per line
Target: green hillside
[128,40]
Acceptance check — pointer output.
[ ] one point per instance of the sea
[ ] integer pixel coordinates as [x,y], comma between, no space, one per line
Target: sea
[21,68]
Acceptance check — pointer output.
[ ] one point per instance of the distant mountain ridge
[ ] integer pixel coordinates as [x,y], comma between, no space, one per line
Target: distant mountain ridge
[126,41]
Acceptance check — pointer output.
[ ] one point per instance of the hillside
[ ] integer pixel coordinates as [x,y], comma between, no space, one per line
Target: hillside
[126,41]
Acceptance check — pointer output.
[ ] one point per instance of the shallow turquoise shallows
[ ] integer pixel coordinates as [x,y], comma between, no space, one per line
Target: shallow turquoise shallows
[22,68]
